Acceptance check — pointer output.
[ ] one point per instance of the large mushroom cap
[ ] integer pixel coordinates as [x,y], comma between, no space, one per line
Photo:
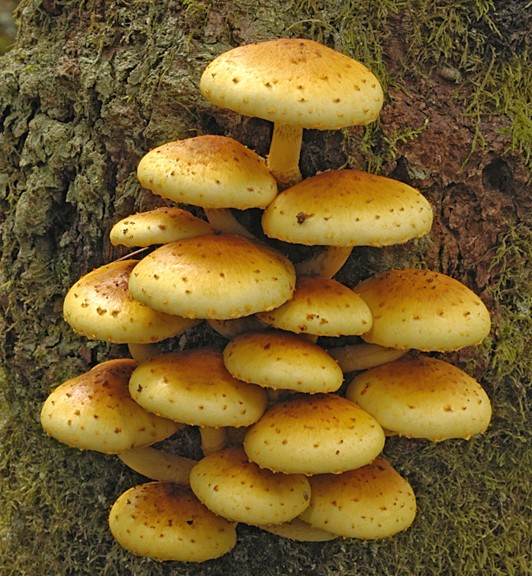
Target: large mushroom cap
[94,411]
[237,489]
[280,360]
[423,398]
[371,502]
[165,521]
[348,208]
[194,387]
[424,310]
[100,307]
[317,434]
[294,81]
[322,307]
[213,276]
[209,171]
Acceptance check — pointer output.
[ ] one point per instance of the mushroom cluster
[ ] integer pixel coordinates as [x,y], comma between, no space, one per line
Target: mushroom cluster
[292,433]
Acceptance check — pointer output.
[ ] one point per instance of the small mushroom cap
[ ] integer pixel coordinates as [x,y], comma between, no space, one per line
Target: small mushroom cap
[280,360]
[294,81]
[94,411]
[100,307]
[423,398]
[213,276]
[165,521]
[424,310]
[237,489]
[209,171]
[158,226]
[323,307]
[371,502]
[317,434]
[348,208]
[194,387]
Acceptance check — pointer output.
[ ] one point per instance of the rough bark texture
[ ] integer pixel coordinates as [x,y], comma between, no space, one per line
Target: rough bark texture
[91,86]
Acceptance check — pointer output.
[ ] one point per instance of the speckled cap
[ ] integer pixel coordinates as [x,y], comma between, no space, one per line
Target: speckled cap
[294,81]
[209,171]
[158,226]
[213,276]
[369,503]
[239,490]
[423,397]
[280,360]
[164,521]
[424,310]
[194,387]
[348,208]
[94,411]
[314,434]
[322,307]
[100,307]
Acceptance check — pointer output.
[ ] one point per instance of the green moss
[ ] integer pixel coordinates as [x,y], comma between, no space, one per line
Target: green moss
[511,288]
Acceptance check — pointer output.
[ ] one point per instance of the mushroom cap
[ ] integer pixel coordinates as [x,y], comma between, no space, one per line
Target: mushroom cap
[100,307]
[294,81]
[194,387]
[423,398]
[424,310]
[94,411]
[165,521]
[321,433]
[237,489]
[323,307]
[371,502]
[280,360]
[158,226]
[213,276]
[348,208]
[209,171]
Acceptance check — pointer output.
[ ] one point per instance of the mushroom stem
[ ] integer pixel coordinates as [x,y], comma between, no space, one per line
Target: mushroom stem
[285,149]
[326,262]
[223,220]
[212,439]
[356,357]
[158,464]
[235,326]
[300,531]
[142,352]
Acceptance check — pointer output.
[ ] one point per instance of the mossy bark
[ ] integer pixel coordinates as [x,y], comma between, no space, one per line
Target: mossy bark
[91,86]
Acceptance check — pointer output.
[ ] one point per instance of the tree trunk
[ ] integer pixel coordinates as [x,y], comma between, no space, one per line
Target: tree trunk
[91,86]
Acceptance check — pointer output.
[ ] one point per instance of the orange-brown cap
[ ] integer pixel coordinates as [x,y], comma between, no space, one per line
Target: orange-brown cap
[158,226]
[94,411]
[100,307]
[194,387]
[239,490]
[209,171]
[165,521]
[322,307]
[281,360]
[213,276]
[423,397]
[424,310]
[371,502]
[294,81]
[348,208]
[314,434]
